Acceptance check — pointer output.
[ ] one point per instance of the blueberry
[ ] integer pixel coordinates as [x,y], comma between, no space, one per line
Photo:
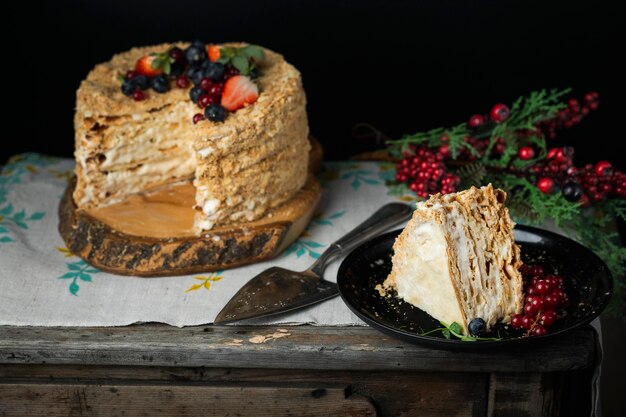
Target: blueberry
[215,113]
[160,83]
[128,87]
[197,77]
[140,81]
[477,327]
[195,54]
[195,93]
[215,71]
[254,73]
[206,64]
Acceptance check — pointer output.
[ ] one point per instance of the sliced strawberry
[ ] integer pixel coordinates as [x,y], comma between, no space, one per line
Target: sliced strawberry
[214,52]
[239,91]
[145,65]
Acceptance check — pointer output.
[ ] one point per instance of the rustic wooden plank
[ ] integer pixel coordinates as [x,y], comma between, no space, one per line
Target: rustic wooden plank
[296,347]
[51,400]
[393,393]
[524,395]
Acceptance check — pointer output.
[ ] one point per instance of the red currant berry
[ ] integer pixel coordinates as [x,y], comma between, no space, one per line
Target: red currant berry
[207,99]
[538,330]
[206,83]
[537,303]
[182,82]
[550,302]
[177,54]
[526,153]
[499,113]
[476,120]
[542,287]
[545,185]
[198,117]
[547,318]
[444,150]
[527,322]
[537,270]
[552,153]
[131,74]
[603,168]
[138,95]
[216,89]
[530,310]
[516,321]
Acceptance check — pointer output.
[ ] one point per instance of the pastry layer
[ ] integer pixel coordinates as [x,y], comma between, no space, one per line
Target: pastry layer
[462,241]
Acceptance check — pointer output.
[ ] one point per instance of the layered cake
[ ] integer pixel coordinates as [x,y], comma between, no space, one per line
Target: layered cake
[229,120]
[457,259]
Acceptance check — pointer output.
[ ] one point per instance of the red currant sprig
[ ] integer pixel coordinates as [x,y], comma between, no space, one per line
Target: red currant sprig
[571,115]
[425,172]
[544,296]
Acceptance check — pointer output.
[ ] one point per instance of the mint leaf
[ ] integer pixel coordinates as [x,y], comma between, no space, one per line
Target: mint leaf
[253,51]
[242,64]
[156,63]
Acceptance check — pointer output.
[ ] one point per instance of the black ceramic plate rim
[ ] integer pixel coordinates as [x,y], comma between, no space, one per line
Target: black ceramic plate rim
[457,344]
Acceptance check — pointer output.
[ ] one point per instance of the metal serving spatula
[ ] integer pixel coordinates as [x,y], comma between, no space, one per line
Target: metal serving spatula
[277,290]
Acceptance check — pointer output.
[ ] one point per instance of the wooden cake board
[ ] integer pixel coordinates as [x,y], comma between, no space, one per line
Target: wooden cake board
[230,246]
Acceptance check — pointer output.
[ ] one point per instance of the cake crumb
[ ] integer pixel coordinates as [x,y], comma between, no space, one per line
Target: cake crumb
[381,290]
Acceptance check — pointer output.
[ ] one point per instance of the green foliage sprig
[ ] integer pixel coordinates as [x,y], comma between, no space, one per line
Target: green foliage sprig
[507,171]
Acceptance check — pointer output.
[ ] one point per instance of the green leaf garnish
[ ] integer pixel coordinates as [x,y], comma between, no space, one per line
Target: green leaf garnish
[244,59]
[241,63]
[454,329]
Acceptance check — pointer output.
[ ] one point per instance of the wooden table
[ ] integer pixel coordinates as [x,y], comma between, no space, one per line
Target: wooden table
[158,370]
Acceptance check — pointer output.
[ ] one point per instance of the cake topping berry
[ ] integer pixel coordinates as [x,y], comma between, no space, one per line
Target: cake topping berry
[215,113]
[195,93]
[197,117]
[138,95]
[214,52]
[195,54]
[182,82]
[222,76]
[215,71]
[239,91]
[160,83]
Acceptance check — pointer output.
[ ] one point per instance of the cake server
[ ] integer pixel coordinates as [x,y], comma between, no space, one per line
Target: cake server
[278,290]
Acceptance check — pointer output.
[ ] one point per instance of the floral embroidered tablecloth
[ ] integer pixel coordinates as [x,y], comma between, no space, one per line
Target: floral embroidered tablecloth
[43,284]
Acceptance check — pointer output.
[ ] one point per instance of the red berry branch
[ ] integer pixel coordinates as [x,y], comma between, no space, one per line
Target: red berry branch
[509,147]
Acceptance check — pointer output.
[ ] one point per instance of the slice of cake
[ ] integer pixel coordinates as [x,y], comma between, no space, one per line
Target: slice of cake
[231,119]
[457,260]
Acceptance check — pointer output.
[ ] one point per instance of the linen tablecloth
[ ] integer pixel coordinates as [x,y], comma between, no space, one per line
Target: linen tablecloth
[43,284]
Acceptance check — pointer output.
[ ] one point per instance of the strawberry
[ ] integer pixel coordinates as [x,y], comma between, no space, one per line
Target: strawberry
[214,52]
[239,91]
[146,66]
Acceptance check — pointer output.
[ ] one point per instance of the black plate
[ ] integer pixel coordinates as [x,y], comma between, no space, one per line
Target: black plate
[588,283]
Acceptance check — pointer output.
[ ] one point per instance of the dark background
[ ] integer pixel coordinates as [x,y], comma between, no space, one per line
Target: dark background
[402,66]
